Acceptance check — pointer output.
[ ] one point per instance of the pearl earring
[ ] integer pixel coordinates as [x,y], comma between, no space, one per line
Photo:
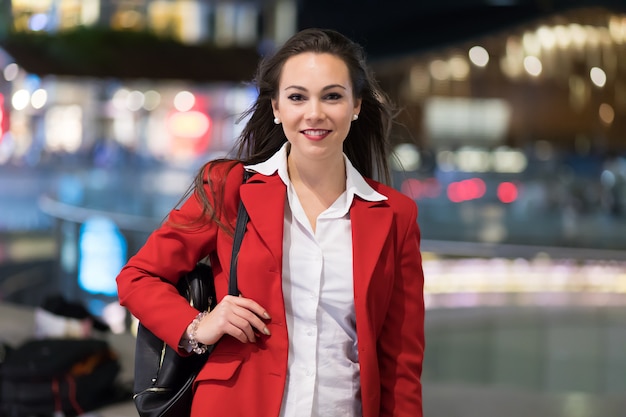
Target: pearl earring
[355,117]
[276,120]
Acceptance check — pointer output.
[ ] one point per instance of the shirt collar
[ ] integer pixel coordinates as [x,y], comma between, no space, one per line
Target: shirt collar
[355,183]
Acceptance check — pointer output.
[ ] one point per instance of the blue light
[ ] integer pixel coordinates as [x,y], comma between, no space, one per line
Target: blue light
[102,254]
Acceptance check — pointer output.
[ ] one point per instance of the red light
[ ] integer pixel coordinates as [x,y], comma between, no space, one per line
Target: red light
[507,192]
[416,189]
[479,187]
[412,188]
[466,190]
[454,192]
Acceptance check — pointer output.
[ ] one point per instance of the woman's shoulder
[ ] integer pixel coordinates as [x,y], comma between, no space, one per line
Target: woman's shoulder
[222,177]
[219,170]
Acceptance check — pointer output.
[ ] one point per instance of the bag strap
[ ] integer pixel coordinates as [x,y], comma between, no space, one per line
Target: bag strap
[240,229]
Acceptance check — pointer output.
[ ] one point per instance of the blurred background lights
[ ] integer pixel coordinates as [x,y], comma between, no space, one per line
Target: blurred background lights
[119,99]
[511,61]
[421,189]
[152,99]
[598,76]
[562,36]
[102,249]
[470,159]
[606,113]
[546,37]
[411,187]
[419,81]
[439,70]
[20,99]
[64,128]
[479,56]
[531,44]
[459,68]
[189,124]
[184,101]
[617,28]
[507,192]
[37,22]
[466,190]
[592,36]
[124,128]
[135,100]
[10,72]
[532,65]
[507,160]
[405,156]
[579,36]
[39,98]
[607,179]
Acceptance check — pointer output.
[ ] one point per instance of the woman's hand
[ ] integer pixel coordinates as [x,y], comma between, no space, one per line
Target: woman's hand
[236,316]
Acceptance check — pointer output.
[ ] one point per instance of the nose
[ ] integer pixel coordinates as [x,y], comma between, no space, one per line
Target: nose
[315,111]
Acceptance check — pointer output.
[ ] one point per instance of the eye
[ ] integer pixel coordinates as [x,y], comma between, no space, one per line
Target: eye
[333,96]
[295,97]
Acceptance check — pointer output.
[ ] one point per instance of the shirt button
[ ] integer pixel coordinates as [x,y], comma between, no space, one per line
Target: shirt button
[309,332]
[309,372]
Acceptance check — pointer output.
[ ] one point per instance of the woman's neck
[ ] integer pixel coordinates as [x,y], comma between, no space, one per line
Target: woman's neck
[318,185]
[320,176]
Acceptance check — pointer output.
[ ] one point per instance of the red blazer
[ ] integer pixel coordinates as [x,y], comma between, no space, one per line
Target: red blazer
[248,379]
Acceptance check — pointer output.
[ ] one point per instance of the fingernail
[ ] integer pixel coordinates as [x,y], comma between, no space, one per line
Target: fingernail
[265,315]
[266,331]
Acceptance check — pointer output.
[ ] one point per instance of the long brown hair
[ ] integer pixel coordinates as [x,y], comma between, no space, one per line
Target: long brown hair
[366,145]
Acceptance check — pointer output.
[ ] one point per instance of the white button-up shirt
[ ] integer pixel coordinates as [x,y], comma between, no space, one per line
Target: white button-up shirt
[323,372]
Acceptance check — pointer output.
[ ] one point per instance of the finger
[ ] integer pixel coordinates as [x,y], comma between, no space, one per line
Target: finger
[231,320]
[238,311]
[253,320]
[241,334]
[244,325]
[249,304]
[224,320]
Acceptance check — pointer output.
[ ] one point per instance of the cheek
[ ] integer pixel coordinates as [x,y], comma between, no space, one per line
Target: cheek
[290,115]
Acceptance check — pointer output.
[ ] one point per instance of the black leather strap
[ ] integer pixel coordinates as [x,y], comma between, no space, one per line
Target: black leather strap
[240,229]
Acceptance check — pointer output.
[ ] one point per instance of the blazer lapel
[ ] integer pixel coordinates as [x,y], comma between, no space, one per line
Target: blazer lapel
[264,199]
[371,223]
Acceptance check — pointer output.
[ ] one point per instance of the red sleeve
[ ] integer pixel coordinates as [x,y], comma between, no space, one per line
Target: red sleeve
[145,282]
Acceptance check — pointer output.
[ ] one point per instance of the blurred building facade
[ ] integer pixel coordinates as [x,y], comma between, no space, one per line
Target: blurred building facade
[526,122]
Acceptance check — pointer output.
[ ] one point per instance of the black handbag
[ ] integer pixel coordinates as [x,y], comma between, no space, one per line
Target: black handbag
[164,379]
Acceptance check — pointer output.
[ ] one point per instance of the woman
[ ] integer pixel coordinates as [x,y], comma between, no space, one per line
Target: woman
[330,317]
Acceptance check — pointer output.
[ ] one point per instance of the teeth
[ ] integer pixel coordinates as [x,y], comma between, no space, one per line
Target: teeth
[315,132]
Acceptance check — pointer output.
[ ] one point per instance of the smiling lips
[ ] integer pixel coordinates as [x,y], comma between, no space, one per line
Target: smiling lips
[316,134]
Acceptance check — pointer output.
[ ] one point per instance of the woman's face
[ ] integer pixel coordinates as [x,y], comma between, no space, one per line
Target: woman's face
[315,104]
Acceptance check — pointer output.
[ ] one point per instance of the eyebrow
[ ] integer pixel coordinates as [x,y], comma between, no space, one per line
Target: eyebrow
[328,87]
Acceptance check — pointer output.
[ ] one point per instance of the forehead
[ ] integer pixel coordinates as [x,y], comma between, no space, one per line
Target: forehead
[311,68]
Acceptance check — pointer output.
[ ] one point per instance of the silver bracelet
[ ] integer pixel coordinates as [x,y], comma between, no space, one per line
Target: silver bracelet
[196,347]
